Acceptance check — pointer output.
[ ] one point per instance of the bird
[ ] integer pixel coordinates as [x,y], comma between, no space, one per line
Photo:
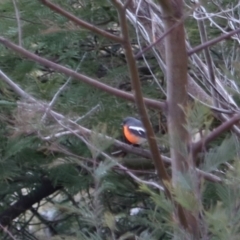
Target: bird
[134,131]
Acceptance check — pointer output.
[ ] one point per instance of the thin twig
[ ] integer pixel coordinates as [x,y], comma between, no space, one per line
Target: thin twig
[7,231]
[209,62]
[82,23]
[159,40]
[61,89]
[88,113]
[212,42]
[226,99]
[15,87]
[18,23]
[144,58]
[215,109]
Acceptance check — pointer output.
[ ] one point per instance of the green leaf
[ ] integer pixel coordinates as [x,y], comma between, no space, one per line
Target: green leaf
[220,154]
[18,144]
[103,168]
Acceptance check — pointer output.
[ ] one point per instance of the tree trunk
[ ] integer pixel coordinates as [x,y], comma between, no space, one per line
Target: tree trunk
[176,72]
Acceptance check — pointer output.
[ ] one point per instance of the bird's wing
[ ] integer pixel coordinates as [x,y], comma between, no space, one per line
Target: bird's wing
[139,131]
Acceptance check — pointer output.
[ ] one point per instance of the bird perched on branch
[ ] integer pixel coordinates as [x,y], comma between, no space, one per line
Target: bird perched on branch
[134,131]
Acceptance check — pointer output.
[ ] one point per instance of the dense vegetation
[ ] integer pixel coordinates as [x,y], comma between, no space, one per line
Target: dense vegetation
[67,85]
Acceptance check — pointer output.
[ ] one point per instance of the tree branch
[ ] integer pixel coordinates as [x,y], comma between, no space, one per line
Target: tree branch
[81,23]
[138,97]
[25,202]
[196,147]
[212,42]
[177,97]
[208,58]
[90,81]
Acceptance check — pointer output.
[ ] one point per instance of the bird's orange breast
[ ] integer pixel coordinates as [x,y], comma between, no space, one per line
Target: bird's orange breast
[131,137]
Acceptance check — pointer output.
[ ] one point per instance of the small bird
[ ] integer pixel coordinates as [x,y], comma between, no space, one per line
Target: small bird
[134,131]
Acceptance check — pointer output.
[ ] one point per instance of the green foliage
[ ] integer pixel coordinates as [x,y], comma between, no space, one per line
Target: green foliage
[220,154]
[222,216]
[97,198]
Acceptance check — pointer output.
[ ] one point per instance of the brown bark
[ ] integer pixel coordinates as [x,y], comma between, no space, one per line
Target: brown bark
[139,100]
[177,96]
[176,61]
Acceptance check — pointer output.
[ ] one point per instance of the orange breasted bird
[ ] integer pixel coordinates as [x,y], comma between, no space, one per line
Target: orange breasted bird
[134,131]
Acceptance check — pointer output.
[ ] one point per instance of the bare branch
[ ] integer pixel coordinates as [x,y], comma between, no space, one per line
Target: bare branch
[81,23]
[203,35]
[212,42]
[90,81]
[88,113]
[18,22]
[15,87]
[215,133]
[7,231]
[61,89]
[138,96]
[138,55]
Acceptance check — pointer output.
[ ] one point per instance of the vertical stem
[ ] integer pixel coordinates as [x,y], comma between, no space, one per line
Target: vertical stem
[208,58]
[18,23]
[138,96]
[176,62]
